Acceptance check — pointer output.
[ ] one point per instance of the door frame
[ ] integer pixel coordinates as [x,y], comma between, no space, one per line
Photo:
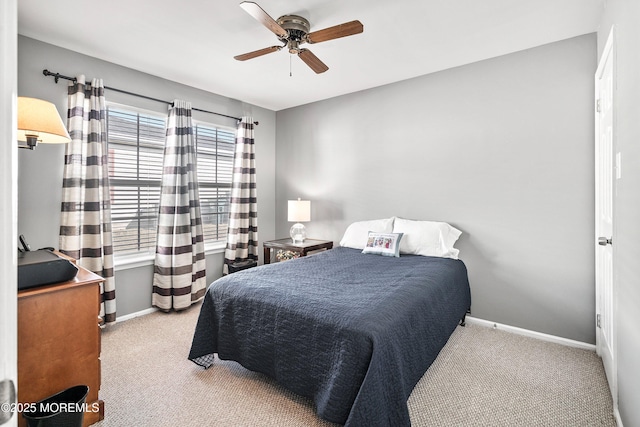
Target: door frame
[8,195]
[611,371]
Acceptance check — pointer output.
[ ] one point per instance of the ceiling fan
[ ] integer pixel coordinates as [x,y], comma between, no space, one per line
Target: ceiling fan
[293,30]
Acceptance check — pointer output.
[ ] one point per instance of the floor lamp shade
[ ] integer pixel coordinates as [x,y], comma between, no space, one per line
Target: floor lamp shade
[298,211]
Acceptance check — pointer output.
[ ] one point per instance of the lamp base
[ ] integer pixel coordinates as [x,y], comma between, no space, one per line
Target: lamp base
[298,233]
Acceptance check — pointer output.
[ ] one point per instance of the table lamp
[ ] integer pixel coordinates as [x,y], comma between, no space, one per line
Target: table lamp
[299,211]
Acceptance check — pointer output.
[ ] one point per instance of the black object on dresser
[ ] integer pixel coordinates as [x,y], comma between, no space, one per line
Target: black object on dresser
[43,267]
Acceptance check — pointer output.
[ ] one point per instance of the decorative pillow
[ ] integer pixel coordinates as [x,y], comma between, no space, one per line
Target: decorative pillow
[357,233]
[387,244]
[427,238]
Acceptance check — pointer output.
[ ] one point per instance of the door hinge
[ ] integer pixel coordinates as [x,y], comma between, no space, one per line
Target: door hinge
[598,105]
[598,321]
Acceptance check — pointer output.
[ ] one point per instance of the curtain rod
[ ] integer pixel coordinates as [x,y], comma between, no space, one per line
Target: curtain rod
[58,76]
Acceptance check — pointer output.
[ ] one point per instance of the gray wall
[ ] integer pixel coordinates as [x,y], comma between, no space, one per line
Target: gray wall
[502,149]
[40,171]
[624,15]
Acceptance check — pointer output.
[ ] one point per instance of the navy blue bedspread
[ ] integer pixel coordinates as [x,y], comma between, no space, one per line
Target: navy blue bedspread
[353,332]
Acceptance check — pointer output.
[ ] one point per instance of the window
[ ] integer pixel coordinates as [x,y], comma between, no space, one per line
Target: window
[215,148]
[136,146]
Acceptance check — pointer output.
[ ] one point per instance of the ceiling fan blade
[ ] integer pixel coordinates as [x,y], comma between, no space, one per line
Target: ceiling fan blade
[312,61]
[335,32]
[257,53]
[263,17]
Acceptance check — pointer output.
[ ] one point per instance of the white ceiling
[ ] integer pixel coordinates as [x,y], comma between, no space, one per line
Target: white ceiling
[194,41]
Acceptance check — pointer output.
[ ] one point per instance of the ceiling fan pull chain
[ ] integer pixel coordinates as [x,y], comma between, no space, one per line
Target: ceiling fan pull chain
[290,72]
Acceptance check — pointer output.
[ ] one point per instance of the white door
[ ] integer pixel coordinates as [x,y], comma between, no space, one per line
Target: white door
[605,290]
[8,207]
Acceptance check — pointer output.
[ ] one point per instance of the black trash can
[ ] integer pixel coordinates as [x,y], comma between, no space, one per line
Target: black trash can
[63,409]
[241,265]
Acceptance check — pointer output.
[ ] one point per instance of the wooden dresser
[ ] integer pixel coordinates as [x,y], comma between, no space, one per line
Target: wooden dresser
[59,341]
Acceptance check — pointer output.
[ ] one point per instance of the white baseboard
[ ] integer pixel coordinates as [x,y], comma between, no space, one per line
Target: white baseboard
[616,414]
[470,319]
[532,334]
[136,314]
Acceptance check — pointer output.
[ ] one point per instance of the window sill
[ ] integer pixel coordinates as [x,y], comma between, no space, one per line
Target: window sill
[125,262]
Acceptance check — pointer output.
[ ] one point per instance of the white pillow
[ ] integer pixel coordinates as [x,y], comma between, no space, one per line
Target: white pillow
[386,244]
[357,233]
[427,238]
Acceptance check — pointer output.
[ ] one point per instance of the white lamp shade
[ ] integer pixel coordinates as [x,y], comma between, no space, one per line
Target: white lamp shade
[299,211]
[40,119]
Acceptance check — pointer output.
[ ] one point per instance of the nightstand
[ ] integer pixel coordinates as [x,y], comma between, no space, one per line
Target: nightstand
[301,248]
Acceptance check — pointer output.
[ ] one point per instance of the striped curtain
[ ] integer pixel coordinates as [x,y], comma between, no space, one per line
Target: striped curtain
[242,239]
[179,277]
[85,224]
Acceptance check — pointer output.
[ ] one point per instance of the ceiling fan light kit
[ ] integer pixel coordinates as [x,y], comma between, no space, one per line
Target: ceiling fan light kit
[292,31]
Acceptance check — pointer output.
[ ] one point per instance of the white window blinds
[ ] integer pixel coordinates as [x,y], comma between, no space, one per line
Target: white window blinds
[215,148]
[136,144]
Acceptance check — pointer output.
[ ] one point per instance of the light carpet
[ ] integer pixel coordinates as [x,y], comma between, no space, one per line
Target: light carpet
[482,377]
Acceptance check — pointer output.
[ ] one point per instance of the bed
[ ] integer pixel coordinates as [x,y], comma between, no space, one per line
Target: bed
[352,331]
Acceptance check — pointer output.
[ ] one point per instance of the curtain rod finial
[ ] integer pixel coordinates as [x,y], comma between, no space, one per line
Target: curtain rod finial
[56,76]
